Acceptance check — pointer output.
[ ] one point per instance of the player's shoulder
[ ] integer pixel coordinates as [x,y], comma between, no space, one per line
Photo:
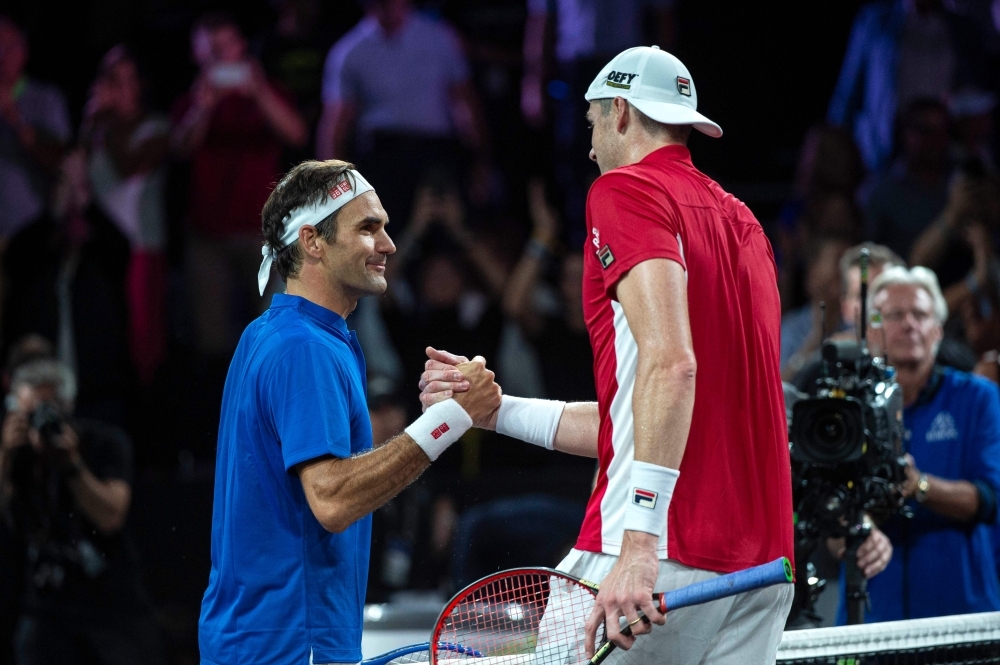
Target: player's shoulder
[627,180]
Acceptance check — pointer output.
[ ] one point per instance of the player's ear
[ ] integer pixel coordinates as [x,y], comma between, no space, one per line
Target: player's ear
[309,241]
[623,114]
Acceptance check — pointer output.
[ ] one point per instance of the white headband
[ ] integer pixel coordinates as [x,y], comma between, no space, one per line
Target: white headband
[339,195]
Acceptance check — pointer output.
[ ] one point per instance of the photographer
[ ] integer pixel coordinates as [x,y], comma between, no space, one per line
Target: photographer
[65,487]
[943,561]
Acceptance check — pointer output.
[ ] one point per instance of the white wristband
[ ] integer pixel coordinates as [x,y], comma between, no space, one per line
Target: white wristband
[441,425]
[649,495]
[531,420]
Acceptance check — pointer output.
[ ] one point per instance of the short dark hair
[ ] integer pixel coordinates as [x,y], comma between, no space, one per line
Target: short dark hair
[676,133]
[304,185]
[878,255]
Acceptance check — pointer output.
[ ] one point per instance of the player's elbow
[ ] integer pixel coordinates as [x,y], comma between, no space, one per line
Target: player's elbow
[679,369]
[334,517]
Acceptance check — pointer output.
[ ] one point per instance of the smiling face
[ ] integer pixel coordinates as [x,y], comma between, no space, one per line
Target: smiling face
[355,262]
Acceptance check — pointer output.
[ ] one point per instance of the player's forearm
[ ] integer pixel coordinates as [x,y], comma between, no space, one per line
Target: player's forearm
[577,431]
[662,405]
[957,499]
[342,491]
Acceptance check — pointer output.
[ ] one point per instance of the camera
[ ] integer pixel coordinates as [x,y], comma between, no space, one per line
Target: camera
[848,462]
[847,444]
[48,420]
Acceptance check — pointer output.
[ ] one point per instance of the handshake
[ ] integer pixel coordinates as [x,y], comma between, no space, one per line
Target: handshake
[473,386]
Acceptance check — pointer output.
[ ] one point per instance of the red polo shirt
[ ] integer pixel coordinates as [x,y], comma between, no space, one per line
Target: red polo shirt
[732,507]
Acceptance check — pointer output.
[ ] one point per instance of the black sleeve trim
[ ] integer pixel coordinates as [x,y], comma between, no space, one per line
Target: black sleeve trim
[987,511]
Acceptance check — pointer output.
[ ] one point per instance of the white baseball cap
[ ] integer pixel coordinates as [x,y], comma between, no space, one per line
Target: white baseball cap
[656,83]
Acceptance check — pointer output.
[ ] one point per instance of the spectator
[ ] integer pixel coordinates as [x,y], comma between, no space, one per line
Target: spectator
[293,54]
[34,130]
[900,51]
[972,110]
[232,125]
[803,329]
[849,270]
[128,150]
[582,36]
[953,449]
[823,195]
[908,197]
[398,83]
[454,295]
[558,332]
[66,486]
[880,257]
[66,275]
[964,235]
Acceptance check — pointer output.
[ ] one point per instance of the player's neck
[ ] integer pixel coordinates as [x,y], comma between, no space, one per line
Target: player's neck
[320,292]
[639,149]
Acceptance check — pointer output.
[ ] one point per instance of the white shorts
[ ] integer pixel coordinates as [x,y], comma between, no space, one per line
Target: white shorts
[732,631]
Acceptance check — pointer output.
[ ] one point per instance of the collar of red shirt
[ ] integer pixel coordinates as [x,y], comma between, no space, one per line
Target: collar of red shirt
[673,152]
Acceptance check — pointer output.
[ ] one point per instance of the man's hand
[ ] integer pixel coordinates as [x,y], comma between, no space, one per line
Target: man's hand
[627,590]
[15,430]
[482,400]
[873,555]
[441,378]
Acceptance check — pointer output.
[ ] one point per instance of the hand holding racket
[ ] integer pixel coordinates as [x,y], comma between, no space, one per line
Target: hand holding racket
[536,616]
[627,590]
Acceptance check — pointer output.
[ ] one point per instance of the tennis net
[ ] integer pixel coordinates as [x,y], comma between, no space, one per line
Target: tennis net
[959,640]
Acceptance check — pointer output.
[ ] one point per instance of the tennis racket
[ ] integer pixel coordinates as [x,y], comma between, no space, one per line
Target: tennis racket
[536,616]
[418,653]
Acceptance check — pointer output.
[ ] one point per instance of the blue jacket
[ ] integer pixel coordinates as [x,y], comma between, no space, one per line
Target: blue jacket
[940,566]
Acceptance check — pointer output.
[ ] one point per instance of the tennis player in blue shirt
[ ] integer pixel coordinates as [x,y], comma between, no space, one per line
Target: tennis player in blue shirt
[943,560]
[297,477]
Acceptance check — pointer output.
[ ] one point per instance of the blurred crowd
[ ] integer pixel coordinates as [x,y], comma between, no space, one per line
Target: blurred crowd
[130,239]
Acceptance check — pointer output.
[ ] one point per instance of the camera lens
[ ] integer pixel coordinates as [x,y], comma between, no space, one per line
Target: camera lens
[829,430]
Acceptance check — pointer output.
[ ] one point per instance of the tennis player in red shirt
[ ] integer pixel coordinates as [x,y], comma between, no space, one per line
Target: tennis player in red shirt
[679,283]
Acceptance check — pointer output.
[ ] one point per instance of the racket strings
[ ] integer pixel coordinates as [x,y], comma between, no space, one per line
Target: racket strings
[527,618]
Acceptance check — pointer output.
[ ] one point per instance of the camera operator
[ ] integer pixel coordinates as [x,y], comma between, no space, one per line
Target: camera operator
[943,561]
[65,486]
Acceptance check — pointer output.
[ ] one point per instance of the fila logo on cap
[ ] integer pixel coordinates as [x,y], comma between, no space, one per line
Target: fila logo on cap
[644,498]
[605,255]
[440,430]
[684,86]
[621,80]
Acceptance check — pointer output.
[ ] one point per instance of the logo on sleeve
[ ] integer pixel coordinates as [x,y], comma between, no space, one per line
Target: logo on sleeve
[440,430]
[605,256]
[644,498]
[684,86]
[621,80]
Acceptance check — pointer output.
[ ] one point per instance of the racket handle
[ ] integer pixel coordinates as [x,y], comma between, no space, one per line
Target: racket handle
[778,571]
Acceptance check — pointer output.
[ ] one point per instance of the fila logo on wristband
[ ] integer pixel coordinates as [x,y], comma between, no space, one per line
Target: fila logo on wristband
[644,498]
[439,430]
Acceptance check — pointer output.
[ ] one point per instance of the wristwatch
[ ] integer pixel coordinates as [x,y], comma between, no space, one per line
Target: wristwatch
[923,484]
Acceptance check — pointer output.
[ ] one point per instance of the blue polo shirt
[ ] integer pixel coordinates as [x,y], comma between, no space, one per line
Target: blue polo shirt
[281,586]
[940,566]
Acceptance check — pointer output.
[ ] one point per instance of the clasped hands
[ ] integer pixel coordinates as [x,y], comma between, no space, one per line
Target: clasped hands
[473,386]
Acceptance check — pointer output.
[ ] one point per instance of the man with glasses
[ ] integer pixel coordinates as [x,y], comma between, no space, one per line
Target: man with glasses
[943,562]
